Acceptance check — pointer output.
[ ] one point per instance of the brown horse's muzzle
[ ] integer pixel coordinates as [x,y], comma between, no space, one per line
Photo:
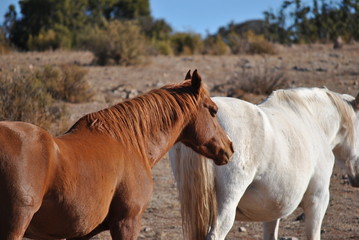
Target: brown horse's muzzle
[225,154]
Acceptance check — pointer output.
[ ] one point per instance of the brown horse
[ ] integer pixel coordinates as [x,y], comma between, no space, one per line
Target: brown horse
[97,176]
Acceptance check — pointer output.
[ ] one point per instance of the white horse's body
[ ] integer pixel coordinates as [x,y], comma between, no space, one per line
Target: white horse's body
[285,150]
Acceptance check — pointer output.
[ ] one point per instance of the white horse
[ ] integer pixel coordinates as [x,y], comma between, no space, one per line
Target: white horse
[285,150]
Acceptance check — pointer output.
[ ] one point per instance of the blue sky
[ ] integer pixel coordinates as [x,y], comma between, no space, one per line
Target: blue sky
[204,16]
[199,16]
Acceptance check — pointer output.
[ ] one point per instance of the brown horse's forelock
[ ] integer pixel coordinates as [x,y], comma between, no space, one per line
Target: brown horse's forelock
[135,121]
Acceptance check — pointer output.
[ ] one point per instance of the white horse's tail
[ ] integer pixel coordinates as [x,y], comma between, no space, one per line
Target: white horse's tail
[195,182]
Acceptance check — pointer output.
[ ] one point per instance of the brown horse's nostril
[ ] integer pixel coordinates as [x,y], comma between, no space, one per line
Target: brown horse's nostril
[223,158]
[232,148]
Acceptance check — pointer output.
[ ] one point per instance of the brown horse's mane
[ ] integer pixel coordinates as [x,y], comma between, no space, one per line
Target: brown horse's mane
[133,122]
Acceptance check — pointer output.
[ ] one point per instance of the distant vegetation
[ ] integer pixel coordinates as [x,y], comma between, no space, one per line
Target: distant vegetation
[124,32]
[319,21]
[118,42]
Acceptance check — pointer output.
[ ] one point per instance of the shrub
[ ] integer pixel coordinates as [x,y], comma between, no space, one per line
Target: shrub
[59,37]
[235,43]
[66,82]
[186,43]
[4,45]
[31,96]
[216,46]
[24,98]
[250,43]
[260,80]
[45,40]
[117,43]
[257,44]
[162,47]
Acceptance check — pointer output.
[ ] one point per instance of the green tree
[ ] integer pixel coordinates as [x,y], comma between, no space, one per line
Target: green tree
[130,9]
[41,16]
[157,29]
[321,21]
[56,17]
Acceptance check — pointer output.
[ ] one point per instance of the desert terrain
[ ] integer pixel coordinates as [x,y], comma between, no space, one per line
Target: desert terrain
[302,66]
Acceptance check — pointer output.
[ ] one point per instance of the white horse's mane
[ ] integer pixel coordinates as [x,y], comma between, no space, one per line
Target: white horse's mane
[311,99]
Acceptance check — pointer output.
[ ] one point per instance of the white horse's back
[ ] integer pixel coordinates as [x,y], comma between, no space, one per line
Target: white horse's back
[283,159]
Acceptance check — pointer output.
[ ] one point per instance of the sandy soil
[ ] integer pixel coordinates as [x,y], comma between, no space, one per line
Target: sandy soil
[304,66]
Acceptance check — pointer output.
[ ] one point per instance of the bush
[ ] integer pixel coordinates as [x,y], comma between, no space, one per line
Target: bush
[257,44]
[186,43]
[66,82]
[250,43]
[162,47]
[59,37]
[30,96]
[24,98]
[4,45]
[216,46]
[260,80]
[235,43]
[118,43]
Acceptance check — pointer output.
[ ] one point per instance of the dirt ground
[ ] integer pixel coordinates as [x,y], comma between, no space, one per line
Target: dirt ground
[304,66]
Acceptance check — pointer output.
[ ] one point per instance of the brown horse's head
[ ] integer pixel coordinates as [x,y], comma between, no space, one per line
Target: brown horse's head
[203,133]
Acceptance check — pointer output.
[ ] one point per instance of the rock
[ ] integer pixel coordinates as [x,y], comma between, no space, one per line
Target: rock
[300,69]
[132,93]
[242,229]
[146,229]
[321,70]
[123,93]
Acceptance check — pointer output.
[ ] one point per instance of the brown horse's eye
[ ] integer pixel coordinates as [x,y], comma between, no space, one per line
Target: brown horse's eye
[213,111]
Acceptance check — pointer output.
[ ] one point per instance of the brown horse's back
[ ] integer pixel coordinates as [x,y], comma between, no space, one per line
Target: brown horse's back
[26,165]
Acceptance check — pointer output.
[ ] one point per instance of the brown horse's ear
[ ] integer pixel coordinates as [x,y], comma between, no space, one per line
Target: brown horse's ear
[357,101]
[196,81]
[188,75]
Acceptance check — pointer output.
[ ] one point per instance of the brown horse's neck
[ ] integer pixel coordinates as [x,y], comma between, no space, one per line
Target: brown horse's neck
[149,124]
[161,143]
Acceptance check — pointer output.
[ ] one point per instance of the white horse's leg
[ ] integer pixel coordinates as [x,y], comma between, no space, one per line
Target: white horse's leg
[270,230]
[230,187]
[225,220]
[314,211]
